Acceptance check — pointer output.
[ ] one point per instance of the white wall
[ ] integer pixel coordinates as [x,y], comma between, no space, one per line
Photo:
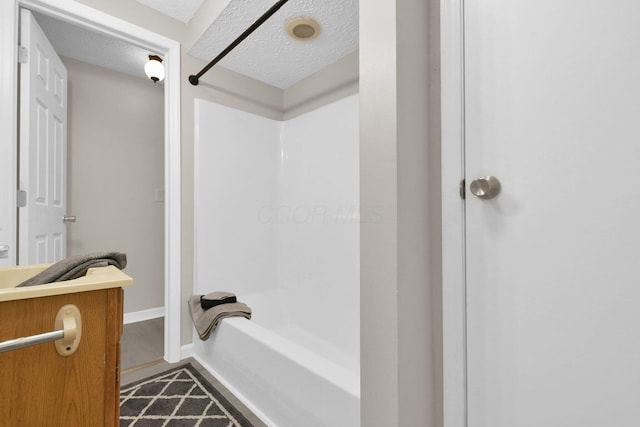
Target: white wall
[318,222]
[277,208]
[236,157]
[115,158]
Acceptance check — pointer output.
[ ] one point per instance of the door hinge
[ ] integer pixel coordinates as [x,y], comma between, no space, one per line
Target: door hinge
[462,189]
[23,55]
[21,198]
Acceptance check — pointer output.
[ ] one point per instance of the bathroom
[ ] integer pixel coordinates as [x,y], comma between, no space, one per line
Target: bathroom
[223,87]
[518,85]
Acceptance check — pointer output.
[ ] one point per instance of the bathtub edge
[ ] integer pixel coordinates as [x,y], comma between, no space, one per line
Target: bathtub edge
[189,351]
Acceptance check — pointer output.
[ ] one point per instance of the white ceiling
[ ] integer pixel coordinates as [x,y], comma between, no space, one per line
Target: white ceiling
[269,54]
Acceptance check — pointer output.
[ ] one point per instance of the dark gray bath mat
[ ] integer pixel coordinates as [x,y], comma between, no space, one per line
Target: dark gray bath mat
[180,396]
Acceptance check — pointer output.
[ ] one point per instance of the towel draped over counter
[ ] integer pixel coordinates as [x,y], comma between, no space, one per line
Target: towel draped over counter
[206,321]
[76,266]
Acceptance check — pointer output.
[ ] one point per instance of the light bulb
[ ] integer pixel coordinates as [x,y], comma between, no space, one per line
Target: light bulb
[154,68]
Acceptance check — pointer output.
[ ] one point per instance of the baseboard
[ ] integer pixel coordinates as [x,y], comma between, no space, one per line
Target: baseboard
[187,351]
[142,315]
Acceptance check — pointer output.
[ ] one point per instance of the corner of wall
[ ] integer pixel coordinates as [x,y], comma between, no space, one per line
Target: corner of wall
[400,172]
[332,83]
[226,87]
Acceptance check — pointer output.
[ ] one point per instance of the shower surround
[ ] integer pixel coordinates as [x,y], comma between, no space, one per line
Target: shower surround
[277,223]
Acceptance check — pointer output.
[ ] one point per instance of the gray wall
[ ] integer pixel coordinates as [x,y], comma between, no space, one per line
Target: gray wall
[116,165]
[399,187]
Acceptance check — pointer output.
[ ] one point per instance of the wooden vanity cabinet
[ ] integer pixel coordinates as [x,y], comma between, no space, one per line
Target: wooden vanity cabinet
[38,386]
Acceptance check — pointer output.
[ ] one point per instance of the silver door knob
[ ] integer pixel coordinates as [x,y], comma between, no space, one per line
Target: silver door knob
[486,187]
[69,218]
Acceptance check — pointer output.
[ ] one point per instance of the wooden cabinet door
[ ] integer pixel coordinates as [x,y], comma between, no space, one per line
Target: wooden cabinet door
[41,388]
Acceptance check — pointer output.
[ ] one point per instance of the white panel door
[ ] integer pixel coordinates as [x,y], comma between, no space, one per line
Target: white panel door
[552,109]
[43,151]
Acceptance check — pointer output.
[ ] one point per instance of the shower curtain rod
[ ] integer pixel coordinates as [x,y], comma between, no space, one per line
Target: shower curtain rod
[194,79]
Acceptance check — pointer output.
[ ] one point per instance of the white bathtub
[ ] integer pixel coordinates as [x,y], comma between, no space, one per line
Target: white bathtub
[276,223]
[288,376]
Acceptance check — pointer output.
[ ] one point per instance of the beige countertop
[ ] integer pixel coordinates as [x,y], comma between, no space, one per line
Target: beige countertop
[96,278]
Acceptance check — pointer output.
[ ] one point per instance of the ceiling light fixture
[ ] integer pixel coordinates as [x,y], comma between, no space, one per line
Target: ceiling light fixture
[303,28]
[154,68]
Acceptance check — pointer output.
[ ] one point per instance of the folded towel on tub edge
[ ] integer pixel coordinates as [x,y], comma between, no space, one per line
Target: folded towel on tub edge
[206,321]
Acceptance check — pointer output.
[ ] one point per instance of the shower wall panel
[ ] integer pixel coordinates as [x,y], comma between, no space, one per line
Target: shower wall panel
[277,209]
[318,227]
[236,155]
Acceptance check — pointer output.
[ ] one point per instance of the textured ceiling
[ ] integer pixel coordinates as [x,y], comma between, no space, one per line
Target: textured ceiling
[87,46]
[269,54]
[182,10]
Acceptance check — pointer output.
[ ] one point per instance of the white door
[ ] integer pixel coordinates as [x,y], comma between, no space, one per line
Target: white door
[552,109]
[43,148]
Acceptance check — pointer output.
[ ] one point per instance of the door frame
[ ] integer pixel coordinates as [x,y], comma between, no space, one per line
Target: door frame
[8,128]
[453,215]
[87,17]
